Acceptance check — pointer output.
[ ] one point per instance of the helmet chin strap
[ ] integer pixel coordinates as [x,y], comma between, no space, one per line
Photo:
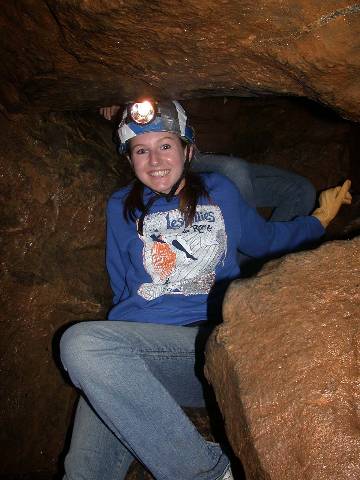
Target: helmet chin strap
[168,196]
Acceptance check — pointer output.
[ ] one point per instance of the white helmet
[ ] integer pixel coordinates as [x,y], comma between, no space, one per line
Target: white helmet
[146,116]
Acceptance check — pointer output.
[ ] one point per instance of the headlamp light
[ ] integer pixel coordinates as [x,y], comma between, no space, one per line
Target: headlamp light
[142,112]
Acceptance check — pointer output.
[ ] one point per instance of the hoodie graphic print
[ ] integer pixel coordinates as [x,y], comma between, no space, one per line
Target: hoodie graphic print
[182,259]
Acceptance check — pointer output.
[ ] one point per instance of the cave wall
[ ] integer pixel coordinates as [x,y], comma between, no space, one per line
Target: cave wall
[57,172]
[77,54]
[56,175]
[302,135]
[58,167]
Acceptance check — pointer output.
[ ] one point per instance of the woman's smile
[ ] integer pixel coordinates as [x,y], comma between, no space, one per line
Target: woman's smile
[159,173]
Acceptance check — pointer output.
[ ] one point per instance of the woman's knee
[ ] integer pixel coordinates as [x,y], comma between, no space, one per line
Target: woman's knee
[308,195]
[232,167]
[76,345]
[302,194]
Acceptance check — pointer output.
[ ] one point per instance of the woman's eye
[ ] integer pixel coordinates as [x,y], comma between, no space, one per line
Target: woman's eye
[140,151]
[165,146]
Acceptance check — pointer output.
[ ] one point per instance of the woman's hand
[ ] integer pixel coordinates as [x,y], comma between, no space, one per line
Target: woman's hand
[330,201]
[109,112]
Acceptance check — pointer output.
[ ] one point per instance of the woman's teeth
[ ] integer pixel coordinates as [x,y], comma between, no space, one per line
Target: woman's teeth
[159,173]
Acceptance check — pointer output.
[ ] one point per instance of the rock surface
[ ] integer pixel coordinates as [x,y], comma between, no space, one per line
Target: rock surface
[58,169]
[80,54]
[56,172]
[285,367]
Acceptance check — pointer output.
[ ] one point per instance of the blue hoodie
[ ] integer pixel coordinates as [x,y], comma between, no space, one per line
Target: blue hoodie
[177,275]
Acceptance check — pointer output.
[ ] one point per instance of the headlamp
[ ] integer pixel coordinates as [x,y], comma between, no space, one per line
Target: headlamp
[142,112]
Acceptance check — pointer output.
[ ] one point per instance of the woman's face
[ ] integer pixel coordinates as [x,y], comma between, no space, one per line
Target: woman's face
[158,160]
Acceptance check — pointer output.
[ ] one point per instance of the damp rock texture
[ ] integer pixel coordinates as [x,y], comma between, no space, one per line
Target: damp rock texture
[78,54]
[58,169]
[284,366]
[56,174]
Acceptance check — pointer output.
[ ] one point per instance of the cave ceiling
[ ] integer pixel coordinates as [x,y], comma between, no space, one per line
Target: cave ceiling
[82,54]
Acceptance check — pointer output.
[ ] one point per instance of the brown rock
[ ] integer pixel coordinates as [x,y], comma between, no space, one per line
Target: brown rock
[57,171]
[284,366]
[76,54]
[55,178]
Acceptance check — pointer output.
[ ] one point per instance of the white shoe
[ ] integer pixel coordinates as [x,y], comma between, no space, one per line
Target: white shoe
[227,475]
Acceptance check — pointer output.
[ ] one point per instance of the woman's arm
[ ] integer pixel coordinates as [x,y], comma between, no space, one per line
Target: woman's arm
[259,238]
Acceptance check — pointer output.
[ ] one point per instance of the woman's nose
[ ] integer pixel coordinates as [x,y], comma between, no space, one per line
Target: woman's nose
[153,158]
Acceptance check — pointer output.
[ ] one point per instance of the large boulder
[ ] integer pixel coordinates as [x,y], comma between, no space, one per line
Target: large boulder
[284,366]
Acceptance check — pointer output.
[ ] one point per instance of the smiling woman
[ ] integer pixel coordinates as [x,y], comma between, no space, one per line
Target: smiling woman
[172,243]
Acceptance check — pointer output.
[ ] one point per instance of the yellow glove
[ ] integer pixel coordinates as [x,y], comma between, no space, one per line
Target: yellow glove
[330,202]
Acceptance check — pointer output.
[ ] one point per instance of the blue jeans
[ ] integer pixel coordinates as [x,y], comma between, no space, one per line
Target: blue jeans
[288,194]
[135,376]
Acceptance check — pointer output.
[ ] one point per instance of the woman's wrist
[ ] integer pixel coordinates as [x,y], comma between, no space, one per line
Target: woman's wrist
[321,216]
